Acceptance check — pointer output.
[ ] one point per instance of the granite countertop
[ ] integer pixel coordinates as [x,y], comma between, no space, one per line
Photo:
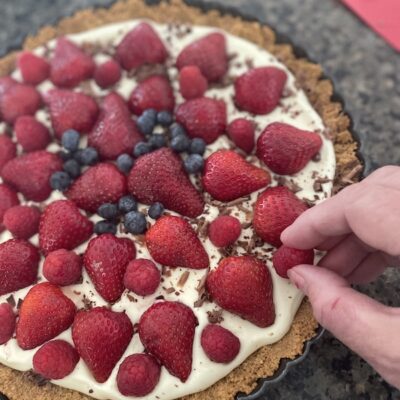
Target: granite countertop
[364,68]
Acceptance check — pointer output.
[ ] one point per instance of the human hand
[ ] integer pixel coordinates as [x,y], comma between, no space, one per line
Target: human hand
[359,228]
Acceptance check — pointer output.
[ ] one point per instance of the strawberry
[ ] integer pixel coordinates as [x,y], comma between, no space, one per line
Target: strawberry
[22,221]
[69,64]
[285,149]
[107,74]
[71,110]
[286,257]
[44,314]
[228,176]
[62,226]
[55,359]
[172,241]
[138,375]
[8,150]
[224,230]
[243,286]
[8,199]
[154,92]
[259,90]
[274,211]
[30,174]
[102,183]
[31,134]
[160,177]
[192,83]
[220,345]
[5,83]
[142,277]
[141,45]
[19,99]
[34,69]
[62,267]
[209,54]
[115,132]
[203,118]
[7,323]
[166,330]
[101,337]
[105,260]
[242,132]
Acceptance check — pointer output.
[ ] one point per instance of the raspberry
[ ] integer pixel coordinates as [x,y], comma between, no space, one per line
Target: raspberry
[22,221]
[7,323]
[142,277]
[62,267]
[107,74]
[192,83]
[31,134]
[286,258]
[224,231]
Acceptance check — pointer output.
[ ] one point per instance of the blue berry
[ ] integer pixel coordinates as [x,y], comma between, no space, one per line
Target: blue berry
[65,156]
[164,118]
[177,130]
[194,163]
[197,146]
[135,222]
[127,204]
[157,141]
[156,210]
[141,148]
[88,156]
[105,227]
[125,163]
[147,121]
[60,180]
[180,143]
[72,168]
[70,140]
[108,211]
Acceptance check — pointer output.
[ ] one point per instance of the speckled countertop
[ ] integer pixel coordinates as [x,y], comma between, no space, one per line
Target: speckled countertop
[367,74]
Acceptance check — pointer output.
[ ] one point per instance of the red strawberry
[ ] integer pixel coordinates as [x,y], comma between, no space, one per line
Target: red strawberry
[160,177]
[243,286]
[166,330]
[31,134]
[138,375]
[203,117]
[5,83]
[19,99]
[107,74]
[141,45]
[105,260]
[274,211]
[142,277]
[8,199]
[286,257]
[69,64]
[62,267]
[44,314]
[115,132]
[285,149]
[102,183]
[192,83]
[62,226]
[228,176]
[241,131]
[172,241]
[220,345]
[209,54]
[22,221]
[7,323]
[154,92]
[224,231]
[55,359]
[30,174]
[259,90]
[101,337]
[8,150]
[34,69]
[71,110]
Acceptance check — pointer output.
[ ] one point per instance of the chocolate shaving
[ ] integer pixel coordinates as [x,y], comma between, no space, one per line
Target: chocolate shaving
[147,70]
[35,378]
[87,304]
[348,178]
[246,225]
[19,304]
[169,290]
[165,271]
[11,300]
[131,298]
[215,316]
[183,279]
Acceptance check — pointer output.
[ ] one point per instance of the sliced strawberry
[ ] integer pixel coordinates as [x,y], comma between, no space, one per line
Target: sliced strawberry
[259,90]
[242,133]
[209,54]
[203,118]
[44,314]
[115,132]
[8,199]
[31,134]
[7,323]
[192,83]
[22,221]
[34,69]
[243,286]
[286,257]
[8,150]
[228,176]
[141,45]
[101,337]
[285,149]
[62,226]
[160,177]
[107,74]
[274,211]
[224,230]
[166,330]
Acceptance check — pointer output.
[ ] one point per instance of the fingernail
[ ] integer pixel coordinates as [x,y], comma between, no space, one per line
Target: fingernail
[297,279]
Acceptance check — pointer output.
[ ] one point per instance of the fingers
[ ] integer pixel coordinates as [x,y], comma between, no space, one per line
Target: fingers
[386,176]
[369,269]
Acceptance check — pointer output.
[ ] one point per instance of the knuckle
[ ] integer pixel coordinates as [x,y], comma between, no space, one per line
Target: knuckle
[327,310]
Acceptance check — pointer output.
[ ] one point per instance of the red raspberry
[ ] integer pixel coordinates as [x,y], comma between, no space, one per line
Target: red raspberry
[192,83]
[34,69]
[8,199]
[7,323]
[107,74]
[8,150]
[224,231]
[286,257]
[22,221]
[241,132]
[142,277]
[31,134]
[62,267]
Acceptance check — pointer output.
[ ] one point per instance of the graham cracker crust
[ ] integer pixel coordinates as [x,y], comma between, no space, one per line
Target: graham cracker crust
[265,361]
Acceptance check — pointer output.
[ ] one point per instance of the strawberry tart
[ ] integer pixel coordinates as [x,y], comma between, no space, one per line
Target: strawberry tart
[150,157]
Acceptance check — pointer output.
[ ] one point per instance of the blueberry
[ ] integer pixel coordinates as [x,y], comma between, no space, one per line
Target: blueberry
[156,210]
[177,130]
[157,141]
[88,156]
[194,163]
[197,146]
[141,148]
[135,222]
[180,143]
[127,204]
[60,180]
[108,211]
[65,156]
[147,121]
[70,140]
[125,163]
[164,118]
[72,168]
[105,227]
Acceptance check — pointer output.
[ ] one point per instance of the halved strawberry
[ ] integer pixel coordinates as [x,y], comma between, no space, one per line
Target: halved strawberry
[8,199]
[7,322]
[242,133]
[34,69]
[8,150]
[286,258]
[31,134]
